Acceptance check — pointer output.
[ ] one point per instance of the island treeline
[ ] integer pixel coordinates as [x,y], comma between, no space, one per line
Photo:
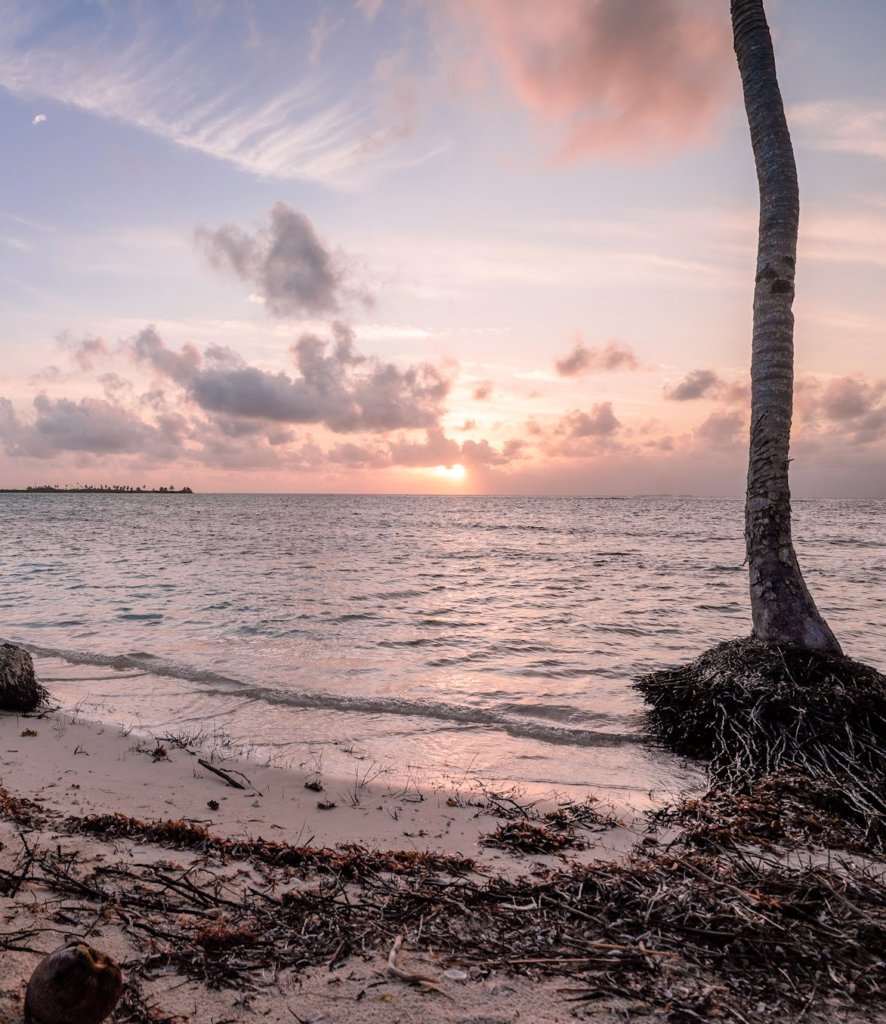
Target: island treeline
[94,489]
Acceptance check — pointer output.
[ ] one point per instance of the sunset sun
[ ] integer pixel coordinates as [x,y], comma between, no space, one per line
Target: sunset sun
[455,474]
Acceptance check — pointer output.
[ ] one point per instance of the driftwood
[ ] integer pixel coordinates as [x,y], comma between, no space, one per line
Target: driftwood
[394,970]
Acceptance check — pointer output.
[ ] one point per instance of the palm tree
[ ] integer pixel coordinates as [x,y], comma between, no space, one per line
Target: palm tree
[782,608]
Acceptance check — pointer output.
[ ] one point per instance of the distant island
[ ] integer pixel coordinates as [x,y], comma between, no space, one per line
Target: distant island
[94,489]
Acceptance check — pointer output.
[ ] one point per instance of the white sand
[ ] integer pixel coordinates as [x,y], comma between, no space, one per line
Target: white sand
[73,767]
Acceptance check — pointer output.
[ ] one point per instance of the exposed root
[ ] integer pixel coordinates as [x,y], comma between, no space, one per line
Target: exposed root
[758,710]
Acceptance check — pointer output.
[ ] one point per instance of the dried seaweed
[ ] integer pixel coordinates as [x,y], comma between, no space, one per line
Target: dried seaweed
[691,930]
[349,861]
[524,837]
[527,830]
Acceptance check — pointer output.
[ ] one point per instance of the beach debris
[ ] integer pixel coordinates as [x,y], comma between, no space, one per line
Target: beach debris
[19,689]
[528,830]
[394,970]
[709,925]
[326,805]
[227,776]
[75,984]
[213,805]
[221,934]
[29,732]
[315,785]
[524,837]
[756,710]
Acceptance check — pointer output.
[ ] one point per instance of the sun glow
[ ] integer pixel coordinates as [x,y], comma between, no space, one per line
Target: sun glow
[455,473]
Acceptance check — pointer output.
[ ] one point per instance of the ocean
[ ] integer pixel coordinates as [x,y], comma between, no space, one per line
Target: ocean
[436,638]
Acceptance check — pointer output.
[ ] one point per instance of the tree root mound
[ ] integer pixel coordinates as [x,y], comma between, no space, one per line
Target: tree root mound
[757,710]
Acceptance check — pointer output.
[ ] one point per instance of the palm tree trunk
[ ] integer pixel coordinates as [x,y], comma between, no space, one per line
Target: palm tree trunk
[781,606]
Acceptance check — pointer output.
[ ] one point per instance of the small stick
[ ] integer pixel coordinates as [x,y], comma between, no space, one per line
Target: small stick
[396,971]
[231,781]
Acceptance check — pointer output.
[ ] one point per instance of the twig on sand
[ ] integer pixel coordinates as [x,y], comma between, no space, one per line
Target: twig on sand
[231,781]
[412,977]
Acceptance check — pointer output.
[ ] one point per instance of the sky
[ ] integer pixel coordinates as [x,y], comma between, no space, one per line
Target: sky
[456,246]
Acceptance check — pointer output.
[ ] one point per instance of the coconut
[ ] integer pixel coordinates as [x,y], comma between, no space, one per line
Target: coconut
[75,984]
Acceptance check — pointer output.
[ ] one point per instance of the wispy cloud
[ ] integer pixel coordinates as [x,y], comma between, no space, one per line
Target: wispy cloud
[202,89]
[845,126]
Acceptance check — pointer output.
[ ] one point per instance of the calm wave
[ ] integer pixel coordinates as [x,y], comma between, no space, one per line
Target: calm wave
[500,633]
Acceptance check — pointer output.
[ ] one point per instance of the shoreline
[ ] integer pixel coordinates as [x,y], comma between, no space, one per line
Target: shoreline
[340,737]
[81,765]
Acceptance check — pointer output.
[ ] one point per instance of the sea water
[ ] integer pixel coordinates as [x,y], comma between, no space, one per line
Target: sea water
[434,636]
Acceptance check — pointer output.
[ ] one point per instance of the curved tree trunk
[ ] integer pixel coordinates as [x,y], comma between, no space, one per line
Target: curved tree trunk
[782,608]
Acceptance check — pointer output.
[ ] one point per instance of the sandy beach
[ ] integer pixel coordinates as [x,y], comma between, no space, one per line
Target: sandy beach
[69,771]
[265,902]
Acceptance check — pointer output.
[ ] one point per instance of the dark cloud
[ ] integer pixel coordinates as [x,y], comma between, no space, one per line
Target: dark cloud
[481,453]
[91,425]
[358,456]
[483,391]
[853,406]
[286,263]
[148,347]
[337,386]
[581,434]
[439,450]
[661,444]
[435,450]
[114,386]
[696,384]
[613,356]
[736,393]
[871,426]
[277,436]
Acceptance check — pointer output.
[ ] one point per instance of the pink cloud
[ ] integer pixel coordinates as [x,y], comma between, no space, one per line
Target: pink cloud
[612,74]
[84,351]
[601,422]
[722,428]
[853,407]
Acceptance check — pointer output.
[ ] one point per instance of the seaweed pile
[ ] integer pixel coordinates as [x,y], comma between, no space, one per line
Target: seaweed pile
[693,931]
[527,830]
[760,711]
